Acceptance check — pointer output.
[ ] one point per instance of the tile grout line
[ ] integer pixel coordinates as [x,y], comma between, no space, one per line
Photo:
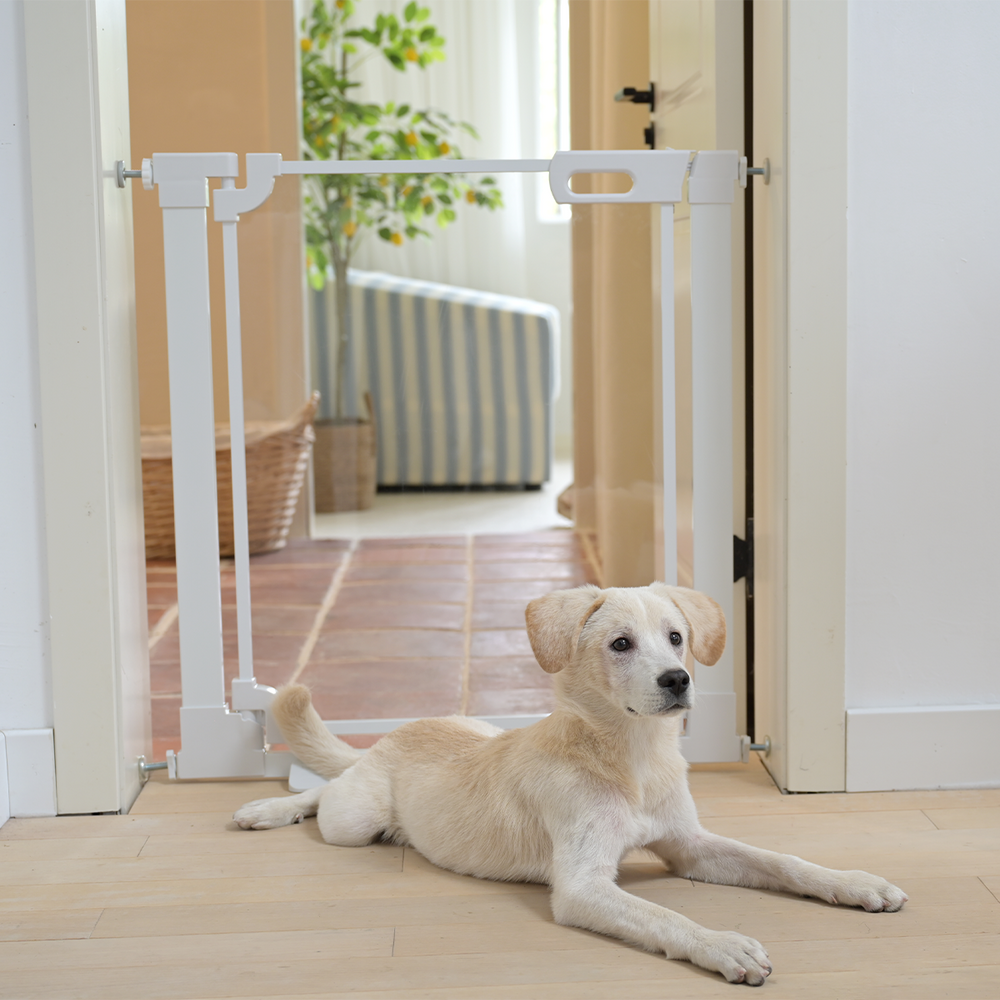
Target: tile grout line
[162,626]
[324,609]
[467,651]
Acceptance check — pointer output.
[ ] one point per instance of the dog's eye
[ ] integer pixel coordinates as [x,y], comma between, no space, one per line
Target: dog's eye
[676,638]
[621,644]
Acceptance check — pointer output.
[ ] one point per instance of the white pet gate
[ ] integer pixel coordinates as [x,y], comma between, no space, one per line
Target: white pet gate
[221,742]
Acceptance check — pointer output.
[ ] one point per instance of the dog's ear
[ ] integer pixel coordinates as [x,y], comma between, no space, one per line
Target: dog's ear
[555,622]
[705,618]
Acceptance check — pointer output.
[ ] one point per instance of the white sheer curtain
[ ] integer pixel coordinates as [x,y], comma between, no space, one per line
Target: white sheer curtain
[490,56]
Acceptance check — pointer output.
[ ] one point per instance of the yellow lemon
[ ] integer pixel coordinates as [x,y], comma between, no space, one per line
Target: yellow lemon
[470,196]
[384,180]
[320,141]
[411,55]
[411,139]
[350,228]
[427,200]
[397,238]
[306,44]
[444,149]
[407,190]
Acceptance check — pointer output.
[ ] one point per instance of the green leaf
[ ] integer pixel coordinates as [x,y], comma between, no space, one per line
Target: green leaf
[410,11]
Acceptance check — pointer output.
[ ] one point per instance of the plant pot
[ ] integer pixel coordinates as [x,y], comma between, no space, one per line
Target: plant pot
[344,464]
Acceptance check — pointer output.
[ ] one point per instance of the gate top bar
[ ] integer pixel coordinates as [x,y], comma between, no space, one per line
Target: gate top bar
[438,166]
[657,175]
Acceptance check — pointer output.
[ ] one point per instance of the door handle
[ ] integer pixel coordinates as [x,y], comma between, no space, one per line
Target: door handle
[638,96]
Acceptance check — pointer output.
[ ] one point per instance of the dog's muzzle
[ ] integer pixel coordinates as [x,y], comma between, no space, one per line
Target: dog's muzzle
[676,686]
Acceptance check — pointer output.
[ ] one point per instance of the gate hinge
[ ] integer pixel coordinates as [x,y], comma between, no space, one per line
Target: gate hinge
[743,557]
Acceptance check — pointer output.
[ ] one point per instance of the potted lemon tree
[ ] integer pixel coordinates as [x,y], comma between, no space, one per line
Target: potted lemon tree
[340,209]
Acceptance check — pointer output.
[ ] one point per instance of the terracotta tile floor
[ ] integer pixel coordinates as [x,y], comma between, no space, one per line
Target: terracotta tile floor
[382,628]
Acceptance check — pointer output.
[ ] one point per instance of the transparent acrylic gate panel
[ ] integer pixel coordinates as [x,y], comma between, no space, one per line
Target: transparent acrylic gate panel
[218,742]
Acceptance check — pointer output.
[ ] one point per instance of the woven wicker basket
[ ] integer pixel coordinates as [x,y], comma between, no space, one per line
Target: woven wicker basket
[277,456]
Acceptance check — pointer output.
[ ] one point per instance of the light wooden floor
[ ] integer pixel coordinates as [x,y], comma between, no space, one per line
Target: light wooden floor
[173,901]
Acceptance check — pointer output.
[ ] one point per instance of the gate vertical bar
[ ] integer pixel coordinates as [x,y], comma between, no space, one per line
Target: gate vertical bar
[237,440]
[668,394]
[711,188]
[712,417]
[192,428]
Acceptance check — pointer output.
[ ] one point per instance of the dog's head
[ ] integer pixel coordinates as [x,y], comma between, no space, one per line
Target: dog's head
[627,644]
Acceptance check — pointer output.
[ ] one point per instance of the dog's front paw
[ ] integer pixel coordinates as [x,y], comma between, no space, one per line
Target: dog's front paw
[740,959]
[266,814]
[870,892]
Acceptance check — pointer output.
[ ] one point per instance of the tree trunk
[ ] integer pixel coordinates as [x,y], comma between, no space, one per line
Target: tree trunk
[341,293]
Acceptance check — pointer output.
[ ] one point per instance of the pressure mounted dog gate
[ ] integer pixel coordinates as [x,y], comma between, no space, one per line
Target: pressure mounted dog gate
[219,742]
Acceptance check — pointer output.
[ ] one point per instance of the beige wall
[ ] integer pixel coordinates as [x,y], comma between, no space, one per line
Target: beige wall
[613,366]
[221,75]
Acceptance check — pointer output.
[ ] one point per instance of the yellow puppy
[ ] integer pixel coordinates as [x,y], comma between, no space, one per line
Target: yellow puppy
[563,801]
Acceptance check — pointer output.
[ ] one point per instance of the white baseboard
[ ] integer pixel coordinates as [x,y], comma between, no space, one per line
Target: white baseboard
[31,772]
[954,746]
[4,787]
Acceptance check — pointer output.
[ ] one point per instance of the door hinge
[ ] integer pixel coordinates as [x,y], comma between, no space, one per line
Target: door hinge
[743,557]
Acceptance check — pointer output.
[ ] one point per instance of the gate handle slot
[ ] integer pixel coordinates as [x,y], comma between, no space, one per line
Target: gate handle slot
[662,185]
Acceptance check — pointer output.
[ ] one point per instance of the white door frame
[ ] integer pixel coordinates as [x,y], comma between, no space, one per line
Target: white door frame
[88,373]
[218,741]
[800,392]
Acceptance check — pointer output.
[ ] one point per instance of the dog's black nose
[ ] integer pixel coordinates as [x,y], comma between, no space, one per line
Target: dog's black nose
[675,681]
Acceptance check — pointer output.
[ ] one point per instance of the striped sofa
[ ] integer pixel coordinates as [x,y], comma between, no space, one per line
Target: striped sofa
[463,382]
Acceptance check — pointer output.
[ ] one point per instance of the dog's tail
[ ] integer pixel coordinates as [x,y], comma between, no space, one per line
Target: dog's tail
[308,738]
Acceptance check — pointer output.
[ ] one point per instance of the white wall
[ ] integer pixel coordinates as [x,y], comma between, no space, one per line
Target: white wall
[25,679]
[923,486]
